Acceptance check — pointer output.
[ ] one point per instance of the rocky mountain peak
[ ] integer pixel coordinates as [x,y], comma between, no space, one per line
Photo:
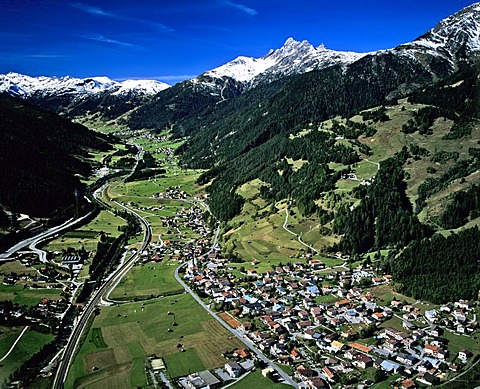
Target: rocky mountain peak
[293,57]
[455,38]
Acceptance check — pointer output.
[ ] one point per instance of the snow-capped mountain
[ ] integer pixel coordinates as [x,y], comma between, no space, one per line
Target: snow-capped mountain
[356,81]
[293,57]
[301,57]
[146,87]
[455,38]
[76,96]
[25,86]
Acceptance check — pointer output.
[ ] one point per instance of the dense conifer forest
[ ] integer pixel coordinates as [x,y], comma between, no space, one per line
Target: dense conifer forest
[439,269]
[40,155]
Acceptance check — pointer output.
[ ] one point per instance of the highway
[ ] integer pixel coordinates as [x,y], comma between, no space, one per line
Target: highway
[34,240]
[98,296]
[127,265]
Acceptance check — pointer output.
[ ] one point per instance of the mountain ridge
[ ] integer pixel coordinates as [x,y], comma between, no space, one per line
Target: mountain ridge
[452,39]
[373,78]
[21,85]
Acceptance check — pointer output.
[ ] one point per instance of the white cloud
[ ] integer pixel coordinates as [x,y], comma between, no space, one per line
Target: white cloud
[93,10]
[241,7]
[101,38]
[101,12]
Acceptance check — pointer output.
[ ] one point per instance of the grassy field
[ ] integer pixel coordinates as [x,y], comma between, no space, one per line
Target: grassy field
[30,343]
[256,380]
[257,233]
[131,333]
[386,295]
[141,192]
[458,342]
[16,267]
[27,296]
[88,236]
[182,363]
[93,121]
[151,279]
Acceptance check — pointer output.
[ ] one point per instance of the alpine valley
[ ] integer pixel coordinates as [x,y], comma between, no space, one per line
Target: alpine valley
[340,190]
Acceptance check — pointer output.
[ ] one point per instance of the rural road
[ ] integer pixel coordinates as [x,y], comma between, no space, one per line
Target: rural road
[299,237]
[14,344]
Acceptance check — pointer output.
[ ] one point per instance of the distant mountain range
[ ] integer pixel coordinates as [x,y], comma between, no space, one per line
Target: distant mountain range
[434,55]
[25,86]
[78,96]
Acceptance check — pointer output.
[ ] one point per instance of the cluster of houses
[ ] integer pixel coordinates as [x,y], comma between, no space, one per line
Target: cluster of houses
[173,192]
[230,372]
[168,151]
[47,313]
[282,312]
[178,248]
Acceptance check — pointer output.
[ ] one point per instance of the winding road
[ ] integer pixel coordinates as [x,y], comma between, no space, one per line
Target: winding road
[99,295]
[299,237]
[33,241]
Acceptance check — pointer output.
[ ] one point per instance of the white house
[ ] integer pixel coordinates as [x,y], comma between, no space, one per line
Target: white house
[233,369]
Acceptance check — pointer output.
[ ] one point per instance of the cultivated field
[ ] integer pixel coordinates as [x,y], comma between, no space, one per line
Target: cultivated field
[133,331]
[150,279]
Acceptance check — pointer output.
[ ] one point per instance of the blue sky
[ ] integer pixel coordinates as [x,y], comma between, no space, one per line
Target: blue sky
[172,40]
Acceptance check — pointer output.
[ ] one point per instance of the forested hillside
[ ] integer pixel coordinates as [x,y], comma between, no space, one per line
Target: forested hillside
[40,156]
[427,180]
[439,269]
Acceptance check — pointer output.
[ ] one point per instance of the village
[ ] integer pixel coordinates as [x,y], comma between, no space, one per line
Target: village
[333,343]
[323,325]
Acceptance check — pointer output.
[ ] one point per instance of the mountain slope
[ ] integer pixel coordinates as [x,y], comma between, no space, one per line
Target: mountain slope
[40,154]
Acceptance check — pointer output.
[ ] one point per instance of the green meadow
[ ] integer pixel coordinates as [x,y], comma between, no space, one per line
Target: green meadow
[30,343]
[21,295]
[146,280]
[133,331]
[255,379]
